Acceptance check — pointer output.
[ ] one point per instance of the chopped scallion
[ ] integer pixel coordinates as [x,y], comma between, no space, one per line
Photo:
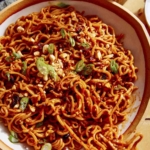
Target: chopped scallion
[114,66]
[51,48]
[24,67]
[14,134]
[8,76]
[16,55]
[46,146]
[46,69]
[23,103]
[87,70]
[85,45]
[79,66]
[13,137]
[72,41]
[42,66]
[52,72]
[63,33]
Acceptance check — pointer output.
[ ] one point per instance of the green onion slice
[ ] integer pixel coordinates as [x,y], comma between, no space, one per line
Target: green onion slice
[87,70]
[13,137]
[46,146]
[23,103]
[114,66]
[46,69]
[8,76]
[72,41]
[24,67]
[85,45]
[79,66]
[16,55]
[14,134]
[42,66]
[52,72]
[51,48]
[63,33]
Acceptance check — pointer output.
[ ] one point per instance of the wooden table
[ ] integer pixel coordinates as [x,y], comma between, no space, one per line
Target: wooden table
[137,7]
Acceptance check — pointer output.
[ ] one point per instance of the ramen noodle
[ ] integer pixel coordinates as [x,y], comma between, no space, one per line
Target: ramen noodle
[66,81]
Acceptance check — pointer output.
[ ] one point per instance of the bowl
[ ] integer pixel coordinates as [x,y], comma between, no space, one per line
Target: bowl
[124,22]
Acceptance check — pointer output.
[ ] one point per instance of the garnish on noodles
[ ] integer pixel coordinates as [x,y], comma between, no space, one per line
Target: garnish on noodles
[66,81]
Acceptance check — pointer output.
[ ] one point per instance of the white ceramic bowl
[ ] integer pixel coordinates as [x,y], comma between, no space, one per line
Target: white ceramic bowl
[136,39]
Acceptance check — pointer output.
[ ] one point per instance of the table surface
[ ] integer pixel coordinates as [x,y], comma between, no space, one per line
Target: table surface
[137,7]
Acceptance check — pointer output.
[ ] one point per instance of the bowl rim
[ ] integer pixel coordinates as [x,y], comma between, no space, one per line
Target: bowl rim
[125,14]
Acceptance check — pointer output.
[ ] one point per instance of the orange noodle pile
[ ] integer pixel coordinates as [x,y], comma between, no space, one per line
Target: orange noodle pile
[66,81]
